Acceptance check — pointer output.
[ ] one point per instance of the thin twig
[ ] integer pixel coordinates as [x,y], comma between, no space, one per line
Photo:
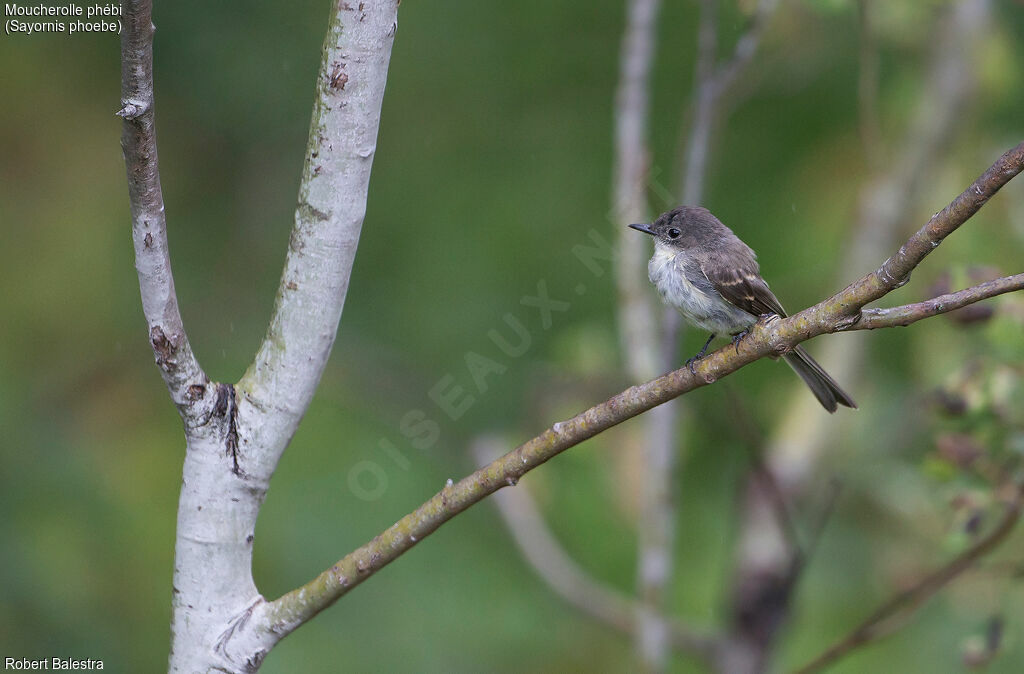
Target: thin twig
[871,319]
[895,271]
[746,47]
[1005,569]
[874,626]
[706,96]
[835,487]
[867,87]
[764,339]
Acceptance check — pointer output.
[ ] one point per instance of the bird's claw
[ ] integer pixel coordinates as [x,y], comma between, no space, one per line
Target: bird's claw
[737,338]
[699,355]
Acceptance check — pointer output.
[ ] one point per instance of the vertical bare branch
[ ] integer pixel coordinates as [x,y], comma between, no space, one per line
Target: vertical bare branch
[746,47]
[713,82]
[639,339]
[632,158]
[657,526]
[867,87]
[178,365]
[637,324]
[705,100]
[278,387]
[656,536]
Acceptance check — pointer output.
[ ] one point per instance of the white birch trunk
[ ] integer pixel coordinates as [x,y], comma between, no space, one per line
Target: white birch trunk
[235,435]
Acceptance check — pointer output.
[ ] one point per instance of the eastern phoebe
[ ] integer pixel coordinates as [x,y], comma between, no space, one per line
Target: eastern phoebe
[702,269]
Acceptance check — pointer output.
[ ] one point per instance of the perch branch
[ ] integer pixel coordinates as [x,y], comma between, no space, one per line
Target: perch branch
[632,156]
[764,339]
[873,628]
[895,271]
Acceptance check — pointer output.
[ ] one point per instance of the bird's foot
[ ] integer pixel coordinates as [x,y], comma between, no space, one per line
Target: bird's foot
[737,338]
[691,361]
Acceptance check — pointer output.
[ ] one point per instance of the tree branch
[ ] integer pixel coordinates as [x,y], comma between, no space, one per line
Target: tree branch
[872,319]
[706,97]
[872,628]
[867,86]
[235,435]
[638,328]
[896,270]
[178,365]
[656,530]
[712,84]
[632,157]
[743,53]
[764,339]
[279,385]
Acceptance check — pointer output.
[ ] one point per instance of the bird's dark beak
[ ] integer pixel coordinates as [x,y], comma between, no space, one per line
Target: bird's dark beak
[646,229]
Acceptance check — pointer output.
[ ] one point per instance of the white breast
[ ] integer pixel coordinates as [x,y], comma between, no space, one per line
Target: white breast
[705,309]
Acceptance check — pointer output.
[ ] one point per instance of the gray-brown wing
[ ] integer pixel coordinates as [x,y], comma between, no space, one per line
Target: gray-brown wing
[744,288]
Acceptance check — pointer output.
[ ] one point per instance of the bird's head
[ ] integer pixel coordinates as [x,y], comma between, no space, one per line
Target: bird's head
[679,228]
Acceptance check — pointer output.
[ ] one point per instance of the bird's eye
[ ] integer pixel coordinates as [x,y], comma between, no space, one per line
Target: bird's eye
[674,233]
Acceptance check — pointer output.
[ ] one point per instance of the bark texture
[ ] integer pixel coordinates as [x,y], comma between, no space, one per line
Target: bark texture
[235,434]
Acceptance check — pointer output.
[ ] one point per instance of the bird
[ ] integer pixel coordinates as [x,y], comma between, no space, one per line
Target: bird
[702,269]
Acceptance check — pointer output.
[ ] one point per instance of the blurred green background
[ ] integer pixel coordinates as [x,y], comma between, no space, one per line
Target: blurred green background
[494,159]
